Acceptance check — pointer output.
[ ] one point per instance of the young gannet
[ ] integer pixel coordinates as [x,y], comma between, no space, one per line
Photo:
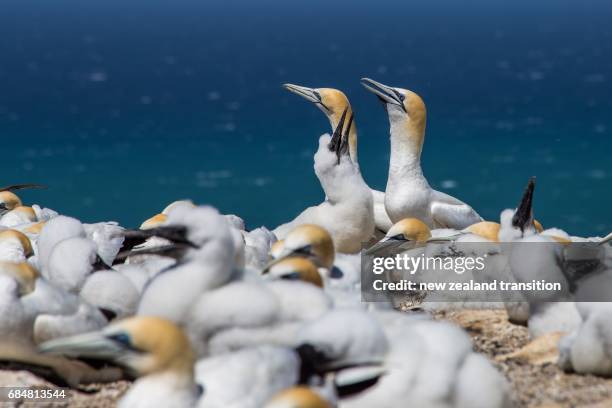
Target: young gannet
[153,349]
[206,264]
[408,193]
[347,213]
[333,102]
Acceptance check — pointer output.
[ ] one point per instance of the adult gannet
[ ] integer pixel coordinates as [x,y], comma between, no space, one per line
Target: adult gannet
[153,349]
[308,241]
[333,102]
[408,193]
[298,397]
[15,246]
[347,213]
[296,268]
[10,200]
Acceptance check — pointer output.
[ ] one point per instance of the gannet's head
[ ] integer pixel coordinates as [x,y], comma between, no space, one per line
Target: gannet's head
[403,107]
[538,226]
[485,229]
[153,222]
[296,268]
[409,229]
[8,201]
[332,102]
[15,237]
[277,248]
[143,345]
[176,204]
[24,273]
[19,215]
[312,242]
[297,397]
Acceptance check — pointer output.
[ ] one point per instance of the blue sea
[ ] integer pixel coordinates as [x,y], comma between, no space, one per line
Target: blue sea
[121,107]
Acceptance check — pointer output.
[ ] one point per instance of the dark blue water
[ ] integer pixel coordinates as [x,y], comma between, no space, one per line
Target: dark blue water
[122,108]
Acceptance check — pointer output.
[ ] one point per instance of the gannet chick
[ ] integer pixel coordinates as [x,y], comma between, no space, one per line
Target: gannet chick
[14,246]
[298,397]
[18,216]
[152,349]
[71,263]
[207,263]
[296,268]
[53,232]
[347,213]
[333,103]
[408,193]
[111,292]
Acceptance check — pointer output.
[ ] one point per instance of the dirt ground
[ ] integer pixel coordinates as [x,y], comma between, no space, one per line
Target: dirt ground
[538,383]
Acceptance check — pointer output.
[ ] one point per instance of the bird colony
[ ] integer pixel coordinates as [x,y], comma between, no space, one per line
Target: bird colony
[197,311]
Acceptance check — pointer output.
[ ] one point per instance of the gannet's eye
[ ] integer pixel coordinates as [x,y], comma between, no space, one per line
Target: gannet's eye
[317,94]
[400,95]
[122,338]
[398,237]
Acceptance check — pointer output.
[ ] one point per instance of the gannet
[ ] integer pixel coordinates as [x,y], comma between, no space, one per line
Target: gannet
[9,200]
[18,216]
[16,318]
[112,293]
[308,241]
[408,193]
[333,102]
[347,213]
[296,268]
[207,263]
[153,349]
[14,246]
[298,397]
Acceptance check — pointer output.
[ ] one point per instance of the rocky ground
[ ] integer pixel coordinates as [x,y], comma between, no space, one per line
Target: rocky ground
[535,379]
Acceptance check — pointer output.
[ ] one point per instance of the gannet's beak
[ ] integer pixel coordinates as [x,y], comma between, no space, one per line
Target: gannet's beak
[311,95]
[523,215]
[304,252]
[386,242]
[14,187]
[385,93]
[94,345]
[315,363]
[176,234]
[339,142]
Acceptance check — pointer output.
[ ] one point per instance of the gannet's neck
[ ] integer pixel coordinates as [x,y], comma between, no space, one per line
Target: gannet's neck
[167,388]
[334,119]
[406,146]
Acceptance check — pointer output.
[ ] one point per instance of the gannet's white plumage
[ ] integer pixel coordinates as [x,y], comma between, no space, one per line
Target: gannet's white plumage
[347,213]
[333,103]
[18,216]
[207,266]
[153,349]
[14,246]
[16,317]
[408,193]
[111,291]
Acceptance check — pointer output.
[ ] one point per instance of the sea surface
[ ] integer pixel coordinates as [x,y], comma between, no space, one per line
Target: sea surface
[122,107]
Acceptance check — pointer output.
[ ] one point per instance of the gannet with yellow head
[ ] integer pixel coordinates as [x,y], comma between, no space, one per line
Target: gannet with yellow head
[307,241]
[298,397]
[408,194]
[296,268]
[17,281]
[18,216]
[154,350]
[348,212]
[14,246]
[333,103]
[8,202]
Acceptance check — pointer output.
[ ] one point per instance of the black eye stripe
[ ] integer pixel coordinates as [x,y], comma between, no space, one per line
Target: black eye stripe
[399,95]
[317,94]
[124,340]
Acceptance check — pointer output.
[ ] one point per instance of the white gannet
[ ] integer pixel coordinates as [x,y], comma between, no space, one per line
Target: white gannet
[347,213]
[408,193]
[207,263]
[14,246]
[333,102]
[9,200]
[112,293]
[153,349]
